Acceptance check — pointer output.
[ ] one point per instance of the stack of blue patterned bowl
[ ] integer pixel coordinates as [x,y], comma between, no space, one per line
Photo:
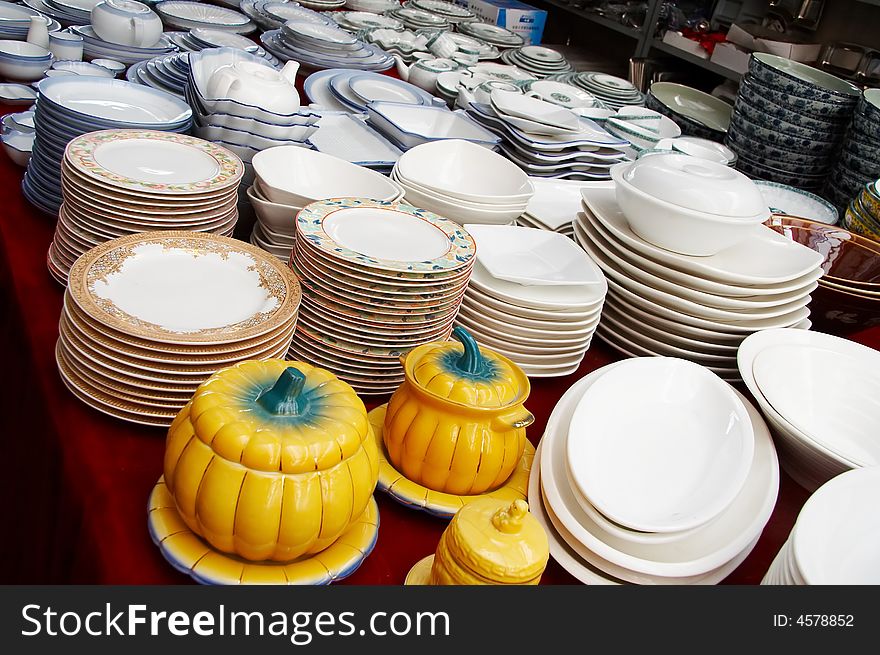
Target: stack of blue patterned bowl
[859,161]
[789,121]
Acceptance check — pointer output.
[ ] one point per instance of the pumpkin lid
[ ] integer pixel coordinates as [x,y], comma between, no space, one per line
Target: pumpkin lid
[499,541]
[279,416]
[466,374]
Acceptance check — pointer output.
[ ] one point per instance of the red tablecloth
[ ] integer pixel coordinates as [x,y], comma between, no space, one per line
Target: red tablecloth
[76,484]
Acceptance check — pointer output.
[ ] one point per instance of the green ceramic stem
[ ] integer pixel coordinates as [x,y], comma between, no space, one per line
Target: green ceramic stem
[472,360]
[284,398]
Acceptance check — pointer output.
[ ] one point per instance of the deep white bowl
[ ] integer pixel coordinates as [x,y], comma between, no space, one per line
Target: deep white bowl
[466,171]
[292,175]
[277,217]
[23,61]
[675,228]
[457,211]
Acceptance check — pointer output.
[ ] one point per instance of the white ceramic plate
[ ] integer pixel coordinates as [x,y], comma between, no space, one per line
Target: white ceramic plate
[512,103]
[583,297]
[555,202]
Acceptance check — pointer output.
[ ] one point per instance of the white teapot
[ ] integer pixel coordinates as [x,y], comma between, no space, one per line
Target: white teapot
[424,72]
[258,85]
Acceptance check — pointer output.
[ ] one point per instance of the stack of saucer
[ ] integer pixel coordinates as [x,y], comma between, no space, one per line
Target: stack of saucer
[272,14]
[538,60]
[614,92]
[355,21]
[148,317]
[94,47]
[693,307]
[372,295]
[167,73]
[495,35]
[452,12]
[534,297]
[419,19]
[202,38]
[119,182]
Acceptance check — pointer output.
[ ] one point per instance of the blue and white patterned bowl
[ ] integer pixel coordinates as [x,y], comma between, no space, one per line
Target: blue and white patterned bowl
[780,122]
[811,106]
[756,149]
[799,79]
[758,101]
[769,136]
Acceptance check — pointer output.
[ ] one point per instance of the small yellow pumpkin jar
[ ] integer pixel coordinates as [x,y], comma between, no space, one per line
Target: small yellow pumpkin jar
[271,460]
[457,424]
[488,542]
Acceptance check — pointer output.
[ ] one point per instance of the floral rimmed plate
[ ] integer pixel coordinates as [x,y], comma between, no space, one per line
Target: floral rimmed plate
[438,503]
[390,236]
[189,554]
[184,287]
[159,162]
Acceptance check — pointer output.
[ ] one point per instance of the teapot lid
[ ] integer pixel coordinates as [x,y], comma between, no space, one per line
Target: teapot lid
[498,540]
[466,374]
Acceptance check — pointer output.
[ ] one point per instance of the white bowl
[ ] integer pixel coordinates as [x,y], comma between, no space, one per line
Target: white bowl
[495,207]
[258,127]
[23,61]
[456,210]
[660,444]
[277,217]
[297,176]
[675,228]
[243,138]
[18,146]
[466,171]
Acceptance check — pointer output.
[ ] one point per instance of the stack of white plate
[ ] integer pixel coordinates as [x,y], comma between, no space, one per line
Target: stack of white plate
[119,182]
[836,538]
[15,21]
[820,393]
[272,14]
[633,487]
[148,317]
[554,206]
[342,89]
[186,15]
[286,179]
[75,104]
[547,140]
[246,128]
[496,35]
[96,48]
[463,181]
[538,60]
[614,92]
[202,38]
[350,138]
[355,21]
[419,19]
[696,308]
[372,293]
[450,11]
[167,73]
[534,296]
[65,12]
[318,46]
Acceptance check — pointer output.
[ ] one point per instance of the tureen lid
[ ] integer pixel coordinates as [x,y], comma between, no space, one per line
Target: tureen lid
[697,184]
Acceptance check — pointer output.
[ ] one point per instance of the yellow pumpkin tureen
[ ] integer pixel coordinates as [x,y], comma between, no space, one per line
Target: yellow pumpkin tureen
[488,542]
[271,460]
[457,424]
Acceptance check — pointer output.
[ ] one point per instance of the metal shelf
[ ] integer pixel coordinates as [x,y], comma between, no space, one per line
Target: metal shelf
[597,19]
[705,64]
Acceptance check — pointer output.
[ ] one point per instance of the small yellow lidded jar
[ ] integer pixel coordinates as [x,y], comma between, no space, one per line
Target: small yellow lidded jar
[488,542]
[457,424]
[271,460]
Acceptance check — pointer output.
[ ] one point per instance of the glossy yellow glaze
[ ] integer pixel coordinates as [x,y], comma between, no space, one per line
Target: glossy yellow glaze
[271,480]
[491,542]
[455,431]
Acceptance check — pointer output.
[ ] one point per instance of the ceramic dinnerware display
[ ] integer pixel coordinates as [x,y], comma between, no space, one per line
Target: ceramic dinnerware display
[847,299]
[547,140]
[693,307]
[463,182]
[698,114]
[820,548]
[788,122]
[534,296]
[120,182]
[733,508]
[379,278]
[74,105]
[821,430]
[148,317]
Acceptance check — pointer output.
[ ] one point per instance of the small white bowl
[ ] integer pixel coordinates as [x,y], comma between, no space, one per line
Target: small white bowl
[458,212]
[23,61]
[292,175]
[117,67]
[676,228]
[18,146]
[277,217]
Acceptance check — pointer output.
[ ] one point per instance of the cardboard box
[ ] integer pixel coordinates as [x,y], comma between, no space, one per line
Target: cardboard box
[676,40]
[731,56]
[760,39]
[518,17]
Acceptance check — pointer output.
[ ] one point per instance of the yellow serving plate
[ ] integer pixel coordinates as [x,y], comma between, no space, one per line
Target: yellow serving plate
[190,554]
[444,505]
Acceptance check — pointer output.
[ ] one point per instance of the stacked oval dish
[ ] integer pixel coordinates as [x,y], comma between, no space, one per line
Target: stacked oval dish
[288,178]
[148,317]
[634,487]
[119,182]
[836,538]
[698,114]
[691,270]
[463,182]
[379,278]
[803,382]
[534,296]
